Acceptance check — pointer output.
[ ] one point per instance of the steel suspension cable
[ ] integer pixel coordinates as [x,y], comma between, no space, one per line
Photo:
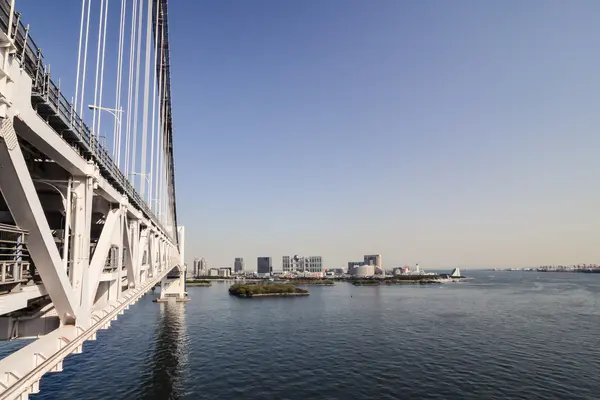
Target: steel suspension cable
[130,88]
[85,51]
[102,67]
[79,53]
[146,98]
[97,69]
[118,122]
[136,96]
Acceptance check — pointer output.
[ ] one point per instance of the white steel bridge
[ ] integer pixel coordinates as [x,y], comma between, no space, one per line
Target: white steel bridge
[88,219]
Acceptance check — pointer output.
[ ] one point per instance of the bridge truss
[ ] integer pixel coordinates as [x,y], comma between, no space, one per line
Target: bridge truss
[87,225]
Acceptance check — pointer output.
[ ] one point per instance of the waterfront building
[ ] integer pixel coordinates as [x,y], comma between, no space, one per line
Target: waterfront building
[225,272]
[264,265]
[338,271]
[238,265]
[200,267]
[354,264]
[196,269]
[374,260]
[286,264]
[292,263]
[302,264]
[313,264]
[362,271]
[213,272]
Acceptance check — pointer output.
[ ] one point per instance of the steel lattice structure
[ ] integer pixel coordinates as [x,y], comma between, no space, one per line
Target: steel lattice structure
[83,235]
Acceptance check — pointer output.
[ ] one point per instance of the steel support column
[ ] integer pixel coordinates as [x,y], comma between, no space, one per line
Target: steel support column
[83,188]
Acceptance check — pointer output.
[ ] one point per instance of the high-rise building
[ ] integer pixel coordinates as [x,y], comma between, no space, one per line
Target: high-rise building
[263,265]
[202,267]
[196,271]
[238,265]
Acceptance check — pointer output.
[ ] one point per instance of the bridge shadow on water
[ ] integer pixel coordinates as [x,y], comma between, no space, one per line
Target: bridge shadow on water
[166,363]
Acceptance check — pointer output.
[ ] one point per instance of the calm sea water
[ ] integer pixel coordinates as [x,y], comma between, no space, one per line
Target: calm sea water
[502,335]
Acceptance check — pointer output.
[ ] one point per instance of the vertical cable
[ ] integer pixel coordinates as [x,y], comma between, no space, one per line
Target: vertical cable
[150,191]
[130,88]
[137,89]
[97,69]
[146,96]
[160,109]
[79,53]
[102,67]
[85,51]
[118,120]
[163,164]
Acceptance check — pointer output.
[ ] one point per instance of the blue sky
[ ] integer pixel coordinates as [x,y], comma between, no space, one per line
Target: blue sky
[446,133]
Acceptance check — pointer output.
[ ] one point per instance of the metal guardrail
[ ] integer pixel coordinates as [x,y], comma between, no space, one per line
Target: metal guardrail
[12,271]
[14,255]
[49,100]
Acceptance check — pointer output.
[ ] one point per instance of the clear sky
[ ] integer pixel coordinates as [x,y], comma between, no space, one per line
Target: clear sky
[450,133]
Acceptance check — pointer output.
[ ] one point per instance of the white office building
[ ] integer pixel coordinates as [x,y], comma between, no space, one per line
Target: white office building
[297,264]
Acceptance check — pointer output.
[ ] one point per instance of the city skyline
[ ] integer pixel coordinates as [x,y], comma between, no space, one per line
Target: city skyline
[454,134]
[277,264]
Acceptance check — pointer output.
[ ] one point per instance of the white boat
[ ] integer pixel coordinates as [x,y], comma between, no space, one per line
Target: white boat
[455,273]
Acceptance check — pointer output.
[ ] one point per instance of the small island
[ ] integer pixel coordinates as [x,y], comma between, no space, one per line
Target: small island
[266,290]
[198,282]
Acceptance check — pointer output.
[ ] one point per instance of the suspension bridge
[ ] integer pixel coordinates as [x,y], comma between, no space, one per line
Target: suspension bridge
[88,218]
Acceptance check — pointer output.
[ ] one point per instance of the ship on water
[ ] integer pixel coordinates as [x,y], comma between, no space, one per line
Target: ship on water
[454,276]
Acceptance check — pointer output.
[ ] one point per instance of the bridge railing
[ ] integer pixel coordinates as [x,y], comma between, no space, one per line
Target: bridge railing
[52,102]
[14,255]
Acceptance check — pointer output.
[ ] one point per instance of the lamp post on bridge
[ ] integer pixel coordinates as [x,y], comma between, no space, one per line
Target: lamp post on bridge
[117,113]
[158,208]
[145,175]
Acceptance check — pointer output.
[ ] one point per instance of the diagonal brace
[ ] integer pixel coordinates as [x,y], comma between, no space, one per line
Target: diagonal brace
[26,209]
[100,254]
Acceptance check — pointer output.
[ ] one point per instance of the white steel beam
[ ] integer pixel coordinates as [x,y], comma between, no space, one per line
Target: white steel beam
[129,251]
[17,301]
[119,239]
[24,204]
[150,260]
[99,258]
[142,246]
[83,189]
[181,234]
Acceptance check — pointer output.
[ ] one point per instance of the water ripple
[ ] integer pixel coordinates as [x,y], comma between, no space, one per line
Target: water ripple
[510,336]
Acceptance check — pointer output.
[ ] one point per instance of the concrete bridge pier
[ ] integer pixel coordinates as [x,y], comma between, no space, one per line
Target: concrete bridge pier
[172,285]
